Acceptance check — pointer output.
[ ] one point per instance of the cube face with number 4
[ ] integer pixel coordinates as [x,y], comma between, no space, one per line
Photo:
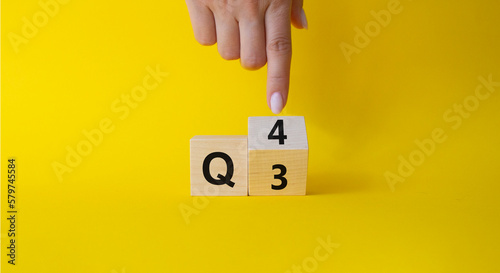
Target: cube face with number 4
[278,155]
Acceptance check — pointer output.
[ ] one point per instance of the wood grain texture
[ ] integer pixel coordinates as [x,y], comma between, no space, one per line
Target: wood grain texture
[261,173]
[265,153]
[236,148]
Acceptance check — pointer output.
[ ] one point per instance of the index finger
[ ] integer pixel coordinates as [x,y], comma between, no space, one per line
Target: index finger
[279,55]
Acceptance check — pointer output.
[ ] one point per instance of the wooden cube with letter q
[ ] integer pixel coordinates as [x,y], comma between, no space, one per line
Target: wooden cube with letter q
[219,166]
[278,153]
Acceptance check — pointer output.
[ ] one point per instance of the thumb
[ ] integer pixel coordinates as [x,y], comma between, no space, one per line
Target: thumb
[299,19]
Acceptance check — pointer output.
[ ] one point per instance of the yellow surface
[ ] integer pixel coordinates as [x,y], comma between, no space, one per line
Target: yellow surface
[119,208]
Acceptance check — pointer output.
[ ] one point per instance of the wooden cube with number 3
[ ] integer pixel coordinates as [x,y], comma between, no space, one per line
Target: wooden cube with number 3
[278,153]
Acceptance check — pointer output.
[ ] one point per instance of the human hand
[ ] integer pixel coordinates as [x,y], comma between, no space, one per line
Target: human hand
[254,31]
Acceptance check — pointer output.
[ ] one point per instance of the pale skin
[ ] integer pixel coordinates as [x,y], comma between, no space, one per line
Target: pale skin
[256,32]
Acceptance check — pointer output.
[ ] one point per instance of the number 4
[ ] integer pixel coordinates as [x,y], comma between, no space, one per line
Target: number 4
[281,132]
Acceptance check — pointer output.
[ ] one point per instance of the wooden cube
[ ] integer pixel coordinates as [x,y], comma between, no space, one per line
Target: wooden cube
[278,155]
[219,166]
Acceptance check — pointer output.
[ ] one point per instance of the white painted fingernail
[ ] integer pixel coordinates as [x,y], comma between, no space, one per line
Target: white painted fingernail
[276,103]
[303,18]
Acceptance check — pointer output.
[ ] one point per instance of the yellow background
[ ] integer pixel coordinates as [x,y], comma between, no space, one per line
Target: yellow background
[118,211]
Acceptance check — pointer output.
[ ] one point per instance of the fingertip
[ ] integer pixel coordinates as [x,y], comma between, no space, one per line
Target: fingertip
[276,103]
[228,34]
[203,23]
[229,54]
[299,20]
[303,19]
[252,63]
[206,40]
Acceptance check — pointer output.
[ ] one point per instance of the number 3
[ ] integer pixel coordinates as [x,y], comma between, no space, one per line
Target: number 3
[280,177]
